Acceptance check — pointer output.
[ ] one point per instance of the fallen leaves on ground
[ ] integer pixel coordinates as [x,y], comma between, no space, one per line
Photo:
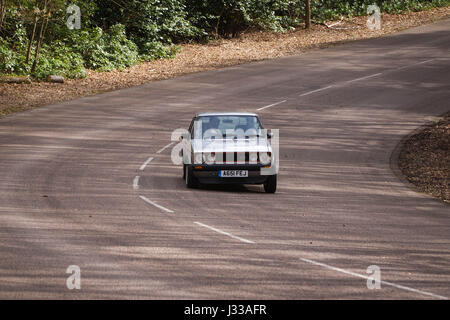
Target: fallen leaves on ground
[425,159]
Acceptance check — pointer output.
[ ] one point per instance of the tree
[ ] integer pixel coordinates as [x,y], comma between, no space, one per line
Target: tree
[30,43]
[49,8]
[2,12]
[308,14]
[44,21]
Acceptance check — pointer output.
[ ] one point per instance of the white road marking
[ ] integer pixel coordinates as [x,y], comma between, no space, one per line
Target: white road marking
[414,64]
[164,148]
[381,281]
[314,91]
[224,233]
[155,204]
[136,186]
[271,105]
[366,77]
[146,163]
[350,81]
[136,182]
[426,61]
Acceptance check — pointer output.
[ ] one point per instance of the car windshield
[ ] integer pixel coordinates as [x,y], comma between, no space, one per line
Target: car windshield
[226,126]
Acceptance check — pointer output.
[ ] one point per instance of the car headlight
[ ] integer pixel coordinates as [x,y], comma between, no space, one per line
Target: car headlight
[198,158]
[209,157]
[265,157]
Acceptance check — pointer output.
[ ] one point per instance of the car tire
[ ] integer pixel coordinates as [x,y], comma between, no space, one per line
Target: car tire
[270,186]
[191,182]
[184,171]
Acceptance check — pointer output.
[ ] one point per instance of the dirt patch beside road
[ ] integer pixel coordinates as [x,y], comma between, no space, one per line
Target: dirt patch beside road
[425,159]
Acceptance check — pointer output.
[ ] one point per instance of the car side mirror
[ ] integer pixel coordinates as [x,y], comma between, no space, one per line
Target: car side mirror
[184,136]
[269,135]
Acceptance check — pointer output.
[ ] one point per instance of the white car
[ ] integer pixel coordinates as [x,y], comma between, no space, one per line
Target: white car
[229,148]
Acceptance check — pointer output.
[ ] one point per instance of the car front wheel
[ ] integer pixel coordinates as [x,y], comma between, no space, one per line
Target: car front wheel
[270,186]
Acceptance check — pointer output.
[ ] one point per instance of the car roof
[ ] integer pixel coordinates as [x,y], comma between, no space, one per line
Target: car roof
[218,114]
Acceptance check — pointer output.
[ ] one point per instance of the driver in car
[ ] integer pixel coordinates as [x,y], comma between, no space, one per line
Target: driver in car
[212,128]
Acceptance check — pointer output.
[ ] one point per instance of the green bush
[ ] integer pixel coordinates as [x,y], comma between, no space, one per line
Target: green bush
[13,48]
[150,24]
[157,50]
[230,17]
[8,58]
[59,60]
[56,58]
[104,51]
[331,9]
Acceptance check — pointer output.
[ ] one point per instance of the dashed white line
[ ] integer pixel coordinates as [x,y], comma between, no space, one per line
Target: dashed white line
[350,81]
[272,105]
[422,62]
[146,163]
[136,182]
[366,77]
[426,61]
[136,186]
[164,148]
[155,204]
[366,277]
[415,64]
[387,283]
[314,91]
[224,233]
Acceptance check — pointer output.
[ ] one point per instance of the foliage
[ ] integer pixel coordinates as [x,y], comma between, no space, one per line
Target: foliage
[230,17]
[104,51]
[150,24]
[61,60]
[12,48]
[116,34]
[56,59]
[332,9]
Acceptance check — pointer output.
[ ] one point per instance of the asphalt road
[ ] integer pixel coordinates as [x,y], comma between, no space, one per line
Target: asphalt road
[78,186]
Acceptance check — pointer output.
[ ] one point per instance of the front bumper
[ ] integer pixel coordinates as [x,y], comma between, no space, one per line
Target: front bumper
[209,174]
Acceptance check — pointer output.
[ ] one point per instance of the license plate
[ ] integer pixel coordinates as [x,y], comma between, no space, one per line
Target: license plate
[233,173]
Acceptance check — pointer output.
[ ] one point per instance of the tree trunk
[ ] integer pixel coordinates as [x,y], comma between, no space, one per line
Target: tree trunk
[40,37]
[2,12]
[15,79]
[308,14]
[218,22]
[30,44]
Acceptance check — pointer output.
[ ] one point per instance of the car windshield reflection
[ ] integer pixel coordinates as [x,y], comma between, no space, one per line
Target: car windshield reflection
[227,127]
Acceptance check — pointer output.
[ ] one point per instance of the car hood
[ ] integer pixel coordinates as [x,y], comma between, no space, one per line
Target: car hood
[231,145]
